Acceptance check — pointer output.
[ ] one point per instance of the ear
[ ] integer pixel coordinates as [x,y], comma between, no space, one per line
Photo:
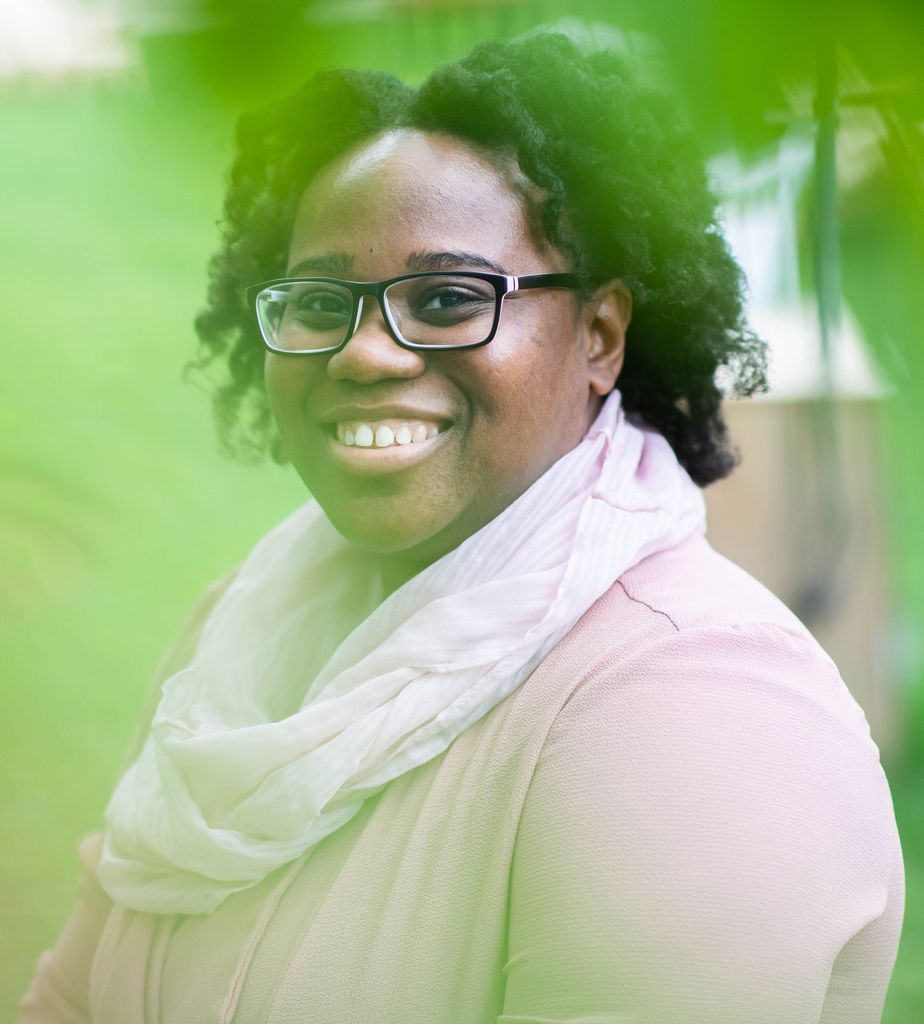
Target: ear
[607,316]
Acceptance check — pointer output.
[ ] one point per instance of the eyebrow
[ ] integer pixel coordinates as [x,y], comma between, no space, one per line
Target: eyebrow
[419,260]
[451,261]
[328,263]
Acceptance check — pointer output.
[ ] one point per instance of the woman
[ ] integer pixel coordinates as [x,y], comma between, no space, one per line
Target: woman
[488,731]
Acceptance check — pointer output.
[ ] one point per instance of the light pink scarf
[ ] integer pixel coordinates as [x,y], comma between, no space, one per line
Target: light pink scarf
[283,724]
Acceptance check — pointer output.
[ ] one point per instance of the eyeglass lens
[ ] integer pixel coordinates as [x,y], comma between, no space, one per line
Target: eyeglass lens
[445,311]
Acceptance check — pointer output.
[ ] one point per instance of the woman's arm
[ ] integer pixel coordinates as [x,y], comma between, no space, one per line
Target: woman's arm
[59,993]
[705,840]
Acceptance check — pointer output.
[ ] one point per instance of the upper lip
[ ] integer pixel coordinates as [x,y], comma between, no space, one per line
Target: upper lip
[365,413]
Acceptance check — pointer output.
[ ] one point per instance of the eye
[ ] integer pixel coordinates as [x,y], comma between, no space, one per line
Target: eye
[318,307]
[447,298]
[451,303]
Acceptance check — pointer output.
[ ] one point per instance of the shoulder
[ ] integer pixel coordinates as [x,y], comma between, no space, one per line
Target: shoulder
[725,720]
[693,585]
[708,791]
[689,614]
[712,737]
[177,655]
[690,586]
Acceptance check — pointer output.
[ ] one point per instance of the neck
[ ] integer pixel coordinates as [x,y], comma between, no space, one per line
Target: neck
[395,572]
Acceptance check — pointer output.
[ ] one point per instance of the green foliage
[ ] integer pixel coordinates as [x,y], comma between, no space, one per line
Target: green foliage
[116,507]
[906,992]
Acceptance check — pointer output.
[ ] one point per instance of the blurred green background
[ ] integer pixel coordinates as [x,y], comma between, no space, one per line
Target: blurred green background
[116,506]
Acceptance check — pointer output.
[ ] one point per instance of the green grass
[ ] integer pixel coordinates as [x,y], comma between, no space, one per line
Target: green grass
[116,507]
[905,999]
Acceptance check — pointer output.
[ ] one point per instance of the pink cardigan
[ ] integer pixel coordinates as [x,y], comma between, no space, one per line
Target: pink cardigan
[679,818]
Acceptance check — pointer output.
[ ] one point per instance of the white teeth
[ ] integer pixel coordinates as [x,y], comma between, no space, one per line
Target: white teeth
[384,436]
[345,435]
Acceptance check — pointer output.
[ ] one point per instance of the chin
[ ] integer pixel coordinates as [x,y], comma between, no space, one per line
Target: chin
[381,535]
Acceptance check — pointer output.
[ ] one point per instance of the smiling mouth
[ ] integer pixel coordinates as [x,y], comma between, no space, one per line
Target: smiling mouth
[385,433]
[379,446]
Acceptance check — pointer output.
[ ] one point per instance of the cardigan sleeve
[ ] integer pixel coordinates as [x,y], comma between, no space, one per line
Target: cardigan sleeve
[59,992]
[708,836]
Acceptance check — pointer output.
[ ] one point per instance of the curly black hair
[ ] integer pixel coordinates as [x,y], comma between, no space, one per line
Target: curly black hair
[624,194]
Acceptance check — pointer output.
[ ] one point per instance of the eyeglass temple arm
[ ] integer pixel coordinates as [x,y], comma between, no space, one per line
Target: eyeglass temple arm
[519,284]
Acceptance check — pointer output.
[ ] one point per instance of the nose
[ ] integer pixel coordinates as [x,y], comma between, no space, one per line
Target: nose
[372,353]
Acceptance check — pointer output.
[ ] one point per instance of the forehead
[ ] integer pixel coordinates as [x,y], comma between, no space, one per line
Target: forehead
[406,190]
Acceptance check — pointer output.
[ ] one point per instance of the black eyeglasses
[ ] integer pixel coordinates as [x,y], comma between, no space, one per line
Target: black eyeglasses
[429,310]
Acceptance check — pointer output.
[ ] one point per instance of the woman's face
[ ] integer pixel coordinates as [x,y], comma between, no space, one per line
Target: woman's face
[408,201]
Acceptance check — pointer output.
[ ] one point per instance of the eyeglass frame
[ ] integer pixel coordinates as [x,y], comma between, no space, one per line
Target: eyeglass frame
[503,284]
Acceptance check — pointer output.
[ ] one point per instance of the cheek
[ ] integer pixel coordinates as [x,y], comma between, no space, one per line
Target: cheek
[287,382]
[526,408]
[536,374]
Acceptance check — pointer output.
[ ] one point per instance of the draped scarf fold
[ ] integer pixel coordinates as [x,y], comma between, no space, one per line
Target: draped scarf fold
[308,693]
